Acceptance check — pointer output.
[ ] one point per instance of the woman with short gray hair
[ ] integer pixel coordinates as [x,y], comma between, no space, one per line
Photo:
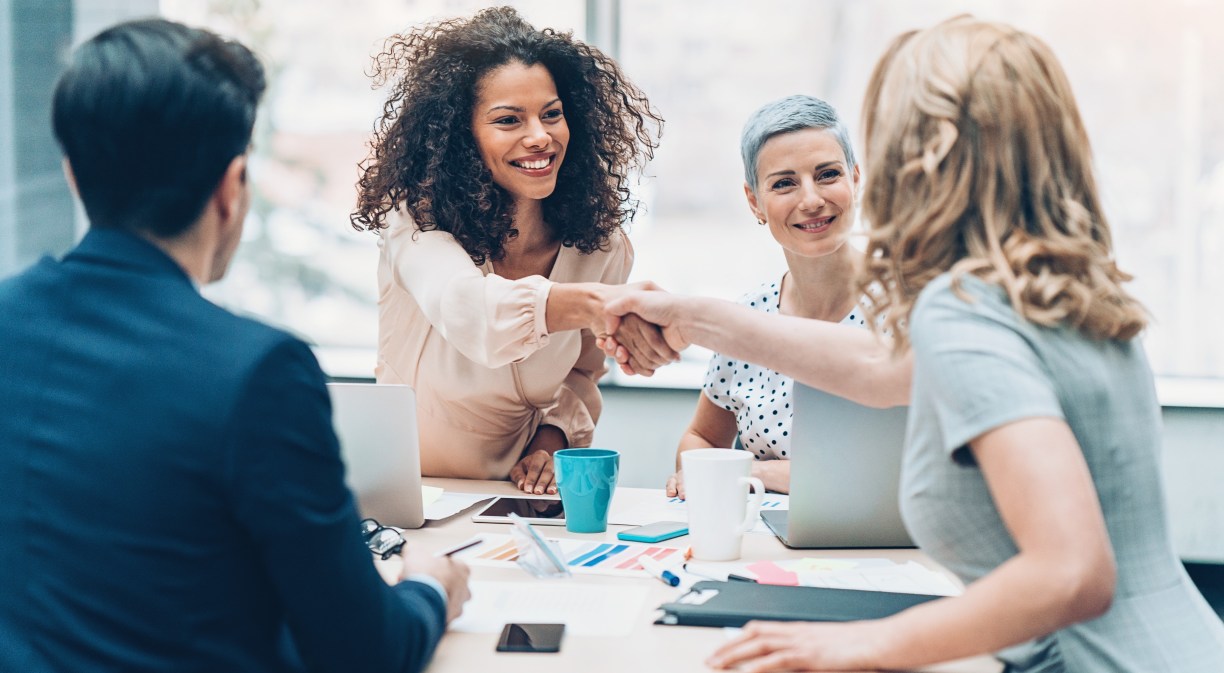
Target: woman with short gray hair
[801,182]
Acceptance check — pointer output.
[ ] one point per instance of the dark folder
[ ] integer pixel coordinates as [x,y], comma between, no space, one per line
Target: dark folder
[735,603]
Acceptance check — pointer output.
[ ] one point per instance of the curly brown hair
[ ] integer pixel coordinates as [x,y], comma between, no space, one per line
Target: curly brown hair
[424,156]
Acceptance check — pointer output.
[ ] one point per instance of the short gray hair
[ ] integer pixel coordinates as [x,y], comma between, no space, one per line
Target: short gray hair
[793,113]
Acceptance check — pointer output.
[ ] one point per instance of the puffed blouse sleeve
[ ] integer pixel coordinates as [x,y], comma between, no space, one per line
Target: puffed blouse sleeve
[489,319]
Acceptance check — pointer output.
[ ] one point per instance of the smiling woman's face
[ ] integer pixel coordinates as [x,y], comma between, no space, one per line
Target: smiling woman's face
[805,192]
[520,129]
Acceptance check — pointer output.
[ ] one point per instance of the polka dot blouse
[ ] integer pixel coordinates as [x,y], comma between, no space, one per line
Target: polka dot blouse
[760,398]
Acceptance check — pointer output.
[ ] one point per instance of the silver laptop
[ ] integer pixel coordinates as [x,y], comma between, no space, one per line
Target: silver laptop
[845,475]
[376,424]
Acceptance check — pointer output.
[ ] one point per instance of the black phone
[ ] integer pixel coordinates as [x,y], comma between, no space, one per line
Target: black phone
[531,638]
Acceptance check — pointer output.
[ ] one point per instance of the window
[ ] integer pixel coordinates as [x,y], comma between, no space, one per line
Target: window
[300,265]
[1146,77]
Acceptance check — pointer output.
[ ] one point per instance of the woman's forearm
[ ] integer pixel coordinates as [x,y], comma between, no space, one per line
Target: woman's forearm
[775,474]
[574,306]
[691,440]
[847,361]
[1023,599]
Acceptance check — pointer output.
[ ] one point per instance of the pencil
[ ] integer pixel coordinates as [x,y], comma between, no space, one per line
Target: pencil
[466,545]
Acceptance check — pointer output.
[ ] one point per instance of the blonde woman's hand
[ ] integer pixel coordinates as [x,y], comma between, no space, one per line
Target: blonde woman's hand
[662,309]
[800,646]
[639,347]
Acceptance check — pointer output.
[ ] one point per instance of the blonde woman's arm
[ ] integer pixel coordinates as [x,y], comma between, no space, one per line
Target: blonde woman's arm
[846,361]
[1064,573]
[581,305]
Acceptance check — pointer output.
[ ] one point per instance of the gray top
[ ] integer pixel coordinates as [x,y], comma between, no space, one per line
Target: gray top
[978,366]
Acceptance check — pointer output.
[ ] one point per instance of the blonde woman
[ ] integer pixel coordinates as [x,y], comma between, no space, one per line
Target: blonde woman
[1032,465]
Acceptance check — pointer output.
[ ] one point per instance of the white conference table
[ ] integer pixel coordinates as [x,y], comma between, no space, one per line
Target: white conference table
[672,649]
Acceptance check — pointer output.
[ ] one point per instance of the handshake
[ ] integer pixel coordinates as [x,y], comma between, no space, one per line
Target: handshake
[643,326]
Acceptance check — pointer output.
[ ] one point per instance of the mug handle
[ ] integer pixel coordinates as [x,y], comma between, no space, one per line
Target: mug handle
[754,502]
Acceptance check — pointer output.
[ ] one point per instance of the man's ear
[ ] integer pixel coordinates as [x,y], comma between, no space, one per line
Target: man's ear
[752,203]
[70,177]
[230,190]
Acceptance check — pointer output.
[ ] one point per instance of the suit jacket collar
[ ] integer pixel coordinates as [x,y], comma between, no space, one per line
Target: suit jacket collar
[123,249]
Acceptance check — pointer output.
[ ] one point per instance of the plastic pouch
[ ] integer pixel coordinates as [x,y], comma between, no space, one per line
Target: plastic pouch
[536,555]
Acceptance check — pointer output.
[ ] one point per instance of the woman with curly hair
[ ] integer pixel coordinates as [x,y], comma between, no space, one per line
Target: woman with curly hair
[1032,465]
[497,183]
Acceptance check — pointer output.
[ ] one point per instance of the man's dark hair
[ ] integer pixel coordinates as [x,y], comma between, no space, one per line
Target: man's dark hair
[150,114]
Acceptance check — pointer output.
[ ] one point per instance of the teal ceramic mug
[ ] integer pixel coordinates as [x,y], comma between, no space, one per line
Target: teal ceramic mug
[586,479]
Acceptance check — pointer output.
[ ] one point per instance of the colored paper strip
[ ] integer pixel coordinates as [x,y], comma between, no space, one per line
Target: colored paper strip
[768,572]
[499,550]
[599,549]
[604,557]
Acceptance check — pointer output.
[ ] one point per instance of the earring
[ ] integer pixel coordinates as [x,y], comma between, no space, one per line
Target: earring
[761,222]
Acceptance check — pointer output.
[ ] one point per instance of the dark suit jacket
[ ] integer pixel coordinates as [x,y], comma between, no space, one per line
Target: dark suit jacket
[171,490]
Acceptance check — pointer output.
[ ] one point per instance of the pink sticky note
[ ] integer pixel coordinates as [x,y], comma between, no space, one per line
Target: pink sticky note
[768,572]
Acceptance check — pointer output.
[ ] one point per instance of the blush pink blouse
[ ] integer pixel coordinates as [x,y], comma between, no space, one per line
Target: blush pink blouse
[475,348]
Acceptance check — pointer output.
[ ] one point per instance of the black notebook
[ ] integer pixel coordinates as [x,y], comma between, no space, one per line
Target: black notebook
[736,603]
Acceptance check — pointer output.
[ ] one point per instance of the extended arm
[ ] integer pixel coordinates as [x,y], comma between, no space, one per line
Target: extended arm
[843,360]
[491,320]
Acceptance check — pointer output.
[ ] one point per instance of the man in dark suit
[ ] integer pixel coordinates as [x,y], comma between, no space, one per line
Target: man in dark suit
[171,491]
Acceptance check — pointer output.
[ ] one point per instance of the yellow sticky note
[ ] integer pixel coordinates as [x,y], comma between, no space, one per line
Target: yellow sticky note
[430,494]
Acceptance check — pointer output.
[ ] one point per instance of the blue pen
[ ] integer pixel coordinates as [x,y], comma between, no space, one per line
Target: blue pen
[655,568]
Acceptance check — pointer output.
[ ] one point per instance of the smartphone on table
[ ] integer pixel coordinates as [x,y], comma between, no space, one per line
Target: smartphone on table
[531,638]
[654,532]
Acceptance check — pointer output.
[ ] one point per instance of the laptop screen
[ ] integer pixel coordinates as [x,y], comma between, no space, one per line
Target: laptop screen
[376,425]
[845,474]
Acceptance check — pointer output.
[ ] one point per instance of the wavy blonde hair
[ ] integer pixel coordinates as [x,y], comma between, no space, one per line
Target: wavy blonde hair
[979,163]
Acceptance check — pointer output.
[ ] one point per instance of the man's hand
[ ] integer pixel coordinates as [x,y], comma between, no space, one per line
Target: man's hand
[451,573]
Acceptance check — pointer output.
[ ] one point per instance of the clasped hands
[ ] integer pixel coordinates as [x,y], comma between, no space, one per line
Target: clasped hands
[635,334]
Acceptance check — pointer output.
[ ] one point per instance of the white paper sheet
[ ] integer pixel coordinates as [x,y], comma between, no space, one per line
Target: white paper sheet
[663,508]
[585,609]
[450,503]
[910,577]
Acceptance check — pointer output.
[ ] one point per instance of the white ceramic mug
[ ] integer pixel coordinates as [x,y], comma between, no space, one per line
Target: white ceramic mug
[720,508]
